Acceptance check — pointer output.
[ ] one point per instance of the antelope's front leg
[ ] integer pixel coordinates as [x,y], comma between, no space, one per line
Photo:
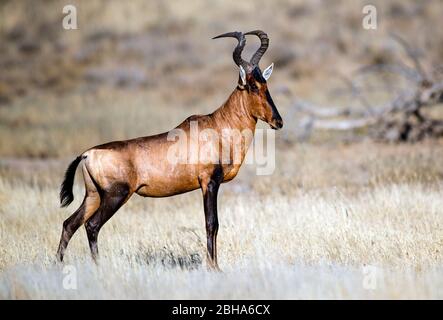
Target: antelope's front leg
[210,191]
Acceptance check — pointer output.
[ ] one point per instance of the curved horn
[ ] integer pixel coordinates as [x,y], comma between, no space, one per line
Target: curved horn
[263,47]
[236,55]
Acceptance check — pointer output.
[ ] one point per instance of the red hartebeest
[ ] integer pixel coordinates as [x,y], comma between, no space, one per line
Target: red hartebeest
[114,171]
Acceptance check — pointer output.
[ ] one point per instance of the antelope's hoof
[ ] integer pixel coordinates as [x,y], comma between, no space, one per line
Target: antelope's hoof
[214,268]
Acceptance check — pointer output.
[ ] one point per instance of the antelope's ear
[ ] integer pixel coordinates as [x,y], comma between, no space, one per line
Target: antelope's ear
[243,75]
[268,71]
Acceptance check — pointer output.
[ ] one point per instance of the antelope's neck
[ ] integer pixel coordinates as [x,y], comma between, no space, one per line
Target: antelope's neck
[235,113]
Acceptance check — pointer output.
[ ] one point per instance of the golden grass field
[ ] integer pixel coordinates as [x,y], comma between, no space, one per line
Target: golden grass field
[331,215]
[305,232]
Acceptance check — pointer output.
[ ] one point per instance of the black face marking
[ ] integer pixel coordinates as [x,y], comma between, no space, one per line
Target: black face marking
[253,87]
[270,101]
[257,74]
[275,114]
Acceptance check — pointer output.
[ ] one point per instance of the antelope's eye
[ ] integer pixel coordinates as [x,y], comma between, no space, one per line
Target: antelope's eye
[253,86]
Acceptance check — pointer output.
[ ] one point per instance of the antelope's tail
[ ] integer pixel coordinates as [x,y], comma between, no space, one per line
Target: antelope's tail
[66,195]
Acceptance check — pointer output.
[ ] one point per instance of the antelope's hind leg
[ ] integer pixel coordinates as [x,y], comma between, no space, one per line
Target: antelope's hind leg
[88,207]
[111,200]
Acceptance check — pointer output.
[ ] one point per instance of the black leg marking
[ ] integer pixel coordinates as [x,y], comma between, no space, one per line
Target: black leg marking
[211,216]
[111,201]
[70,226]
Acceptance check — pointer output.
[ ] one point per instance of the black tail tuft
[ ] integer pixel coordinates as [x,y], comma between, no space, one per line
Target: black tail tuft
[66,195]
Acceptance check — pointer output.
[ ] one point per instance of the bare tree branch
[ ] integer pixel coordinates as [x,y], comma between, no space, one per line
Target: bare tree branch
[356,93]
[434,94]
[412,54]
[315,110]
[342,125]
[404,71]
[399,119]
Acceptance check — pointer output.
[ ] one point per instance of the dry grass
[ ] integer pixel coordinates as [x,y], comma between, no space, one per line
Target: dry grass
[309,238]
[139,68]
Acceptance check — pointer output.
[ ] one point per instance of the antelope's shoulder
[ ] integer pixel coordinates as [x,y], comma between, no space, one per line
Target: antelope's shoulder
[196,119]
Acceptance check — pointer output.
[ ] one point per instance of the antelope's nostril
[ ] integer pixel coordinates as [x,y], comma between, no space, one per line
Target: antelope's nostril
[279,123]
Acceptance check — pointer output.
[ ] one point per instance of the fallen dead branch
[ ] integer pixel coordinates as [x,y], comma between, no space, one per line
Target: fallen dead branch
[402,118]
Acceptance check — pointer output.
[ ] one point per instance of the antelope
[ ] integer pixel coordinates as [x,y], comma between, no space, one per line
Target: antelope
[114,171]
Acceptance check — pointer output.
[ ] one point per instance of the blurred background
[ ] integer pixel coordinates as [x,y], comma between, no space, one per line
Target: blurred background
[358,171]
[134,68]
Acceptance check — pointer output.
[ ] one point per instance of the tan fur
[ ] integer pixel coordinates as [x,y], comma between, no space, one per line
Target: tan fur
[143,164]
[202,152]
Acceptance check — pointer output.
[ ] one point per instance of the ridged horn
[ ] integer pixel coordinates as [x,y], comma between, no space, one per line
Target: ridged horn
[236,55]
[263,47]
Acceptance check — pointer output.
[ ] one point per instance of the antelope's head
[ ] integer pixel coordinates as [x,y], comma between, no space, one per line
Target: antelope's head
[254,81]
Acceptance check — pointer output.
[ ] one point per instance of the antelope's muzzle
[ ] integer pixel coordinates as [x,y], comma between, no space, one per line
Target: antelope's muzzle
[277,121]
[277,124]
